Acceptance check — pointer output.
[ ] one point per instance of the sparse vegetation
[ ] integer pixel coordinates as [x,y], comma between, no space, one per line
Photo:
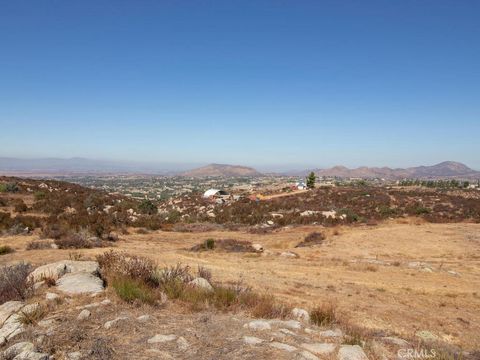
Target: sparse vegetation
[228,245]
[314,238]
[14,282]
[6,249]
[324,314]
[131,290]
[33,316]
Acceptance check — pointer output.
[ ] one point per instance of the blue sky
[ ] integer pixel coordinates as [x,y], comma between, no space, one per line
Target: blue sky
[263,83]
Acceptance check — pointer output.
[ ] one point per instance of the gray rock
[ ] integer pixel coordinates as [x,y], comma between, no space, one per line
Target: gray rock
[201,283]
[331,333]
[289,254]
[291,324]
[106,302]
[305,355]
[11,327]
[143,318]
[182,343]
[51,296]
[282,346]
[111,323]
[80,283]
[84,314]
[395,341]
[9,308]
[351,352]
[159,338]
[31,355]
[301,314]
[258,325]
[426,335]
[252,340]
[77,355]
[18,348]
[320,348]
[287,332]
[60,268]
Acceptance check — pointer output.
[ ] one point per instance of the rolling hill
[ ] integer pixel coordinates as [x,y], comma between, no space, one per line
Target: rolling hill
[446,169]
[222,170]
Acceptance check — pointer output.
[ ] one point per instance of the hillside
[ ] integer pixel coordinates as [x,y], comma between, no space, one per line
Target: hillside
[222,170]
[446,169]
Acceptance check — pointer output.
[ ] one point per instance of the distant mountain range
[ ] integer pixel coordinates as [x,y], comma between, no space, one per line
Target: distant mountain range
[56,166]
[446,169]
[222,170]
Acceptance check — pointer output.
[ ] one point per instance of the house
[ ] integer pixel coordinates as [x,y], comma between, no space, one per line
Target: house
[214,193]
[300,185]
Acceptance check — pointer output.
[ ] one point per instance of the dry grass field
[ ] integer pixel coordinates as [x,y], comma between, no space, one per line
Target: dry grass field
[401,276]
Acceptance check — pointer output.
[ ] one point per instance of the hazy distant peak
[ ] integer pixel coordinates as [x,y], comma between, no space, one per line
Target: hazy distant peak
[222,170]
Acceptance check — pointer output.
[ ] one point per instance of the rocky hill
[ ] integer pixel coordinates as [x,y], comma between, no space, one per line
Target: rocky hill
[446,169]
[222,170]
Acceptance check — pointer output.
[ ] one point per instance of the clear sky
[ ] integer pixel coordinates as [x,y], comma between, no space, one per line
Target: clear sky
[263,83]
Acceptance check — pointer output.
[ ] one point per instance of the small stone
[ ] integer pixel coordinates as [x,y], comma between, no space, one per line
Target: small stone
[16,349]
[351,352]
[106,302]
[84,314]
[305,355]
[182,343]
[259,325]
[113,322]
[143,318]
[291,324]
[287,332]
[201,283]
[51,296]
[282,346]
[395,341]
[426,335]
[161,338]
[289,254]
[77,355]
[252,340]
[320,348]
[301,314]
[31,355]
[331,333]
[257,247]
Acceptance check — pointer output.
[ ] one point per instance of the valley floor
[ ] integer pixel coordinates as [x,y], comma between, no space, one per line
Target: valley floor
[397,277]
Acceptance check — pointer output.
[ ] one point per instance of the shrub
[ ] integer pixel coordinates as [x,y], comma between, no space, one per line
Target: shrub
[9,187]
[121,264]
[39,245]
[6,249]
[147,207]
[77,241]
[265,306]
[14,282]
[228,245]
[314,238]
[20,206]
[32,317]
[132,290]
[323,315]
[100,350]
[204,273]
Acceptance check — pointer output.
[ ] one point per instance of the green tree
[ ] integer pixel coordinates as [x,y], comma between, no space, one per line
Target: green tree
[148,207]
[311,180]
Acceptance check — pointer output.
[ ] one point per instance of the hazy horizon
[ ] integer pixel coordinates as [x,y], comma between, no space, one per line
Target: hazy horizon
[76,164]
[265,84]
